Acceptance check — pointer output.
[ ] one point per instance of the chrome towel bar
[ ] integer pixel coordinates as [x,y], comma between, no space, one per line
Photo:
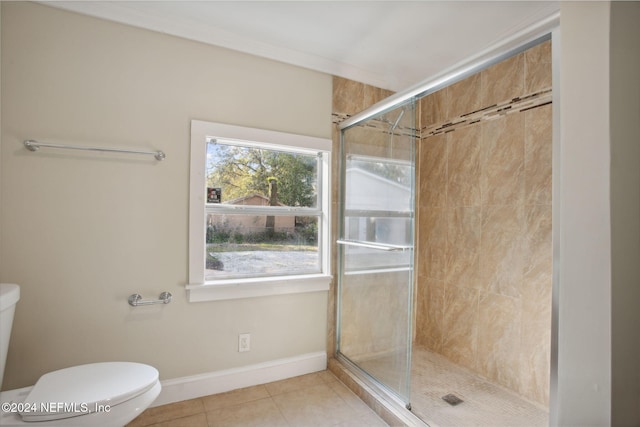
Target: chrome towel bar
[33,145]
[136,299]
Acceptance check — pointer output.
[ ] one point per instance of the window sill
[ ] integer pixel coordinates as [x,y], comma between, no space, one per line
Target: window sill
[261,287]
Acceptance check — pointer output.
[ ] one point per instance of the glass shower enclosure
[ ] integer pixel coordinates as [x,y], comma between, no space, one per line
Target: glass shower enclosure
[375,248]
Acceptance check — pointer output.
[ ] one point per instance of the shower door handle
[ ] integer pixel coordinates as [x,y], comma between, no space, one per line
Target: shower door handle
[375,245]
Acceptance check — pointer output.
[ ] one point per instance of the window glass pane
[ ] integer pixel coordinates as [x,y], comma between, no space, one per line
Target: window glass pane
[242,175]
[250,245]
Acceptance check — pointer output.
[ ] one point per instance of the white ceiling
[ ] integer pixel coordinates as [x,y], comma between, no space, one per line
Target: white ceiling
[390,44]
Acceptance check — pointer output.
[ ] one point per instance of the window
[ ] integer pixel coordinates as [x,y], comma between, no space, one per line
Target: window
[259,212]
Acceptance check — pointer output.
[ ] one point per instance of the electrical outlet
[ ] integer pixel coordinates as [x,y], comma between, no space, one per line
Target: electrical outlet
[244,342]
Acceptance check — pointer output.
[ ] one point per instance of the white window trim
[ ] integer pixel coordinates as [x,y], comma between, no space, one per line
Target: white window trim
[200,290]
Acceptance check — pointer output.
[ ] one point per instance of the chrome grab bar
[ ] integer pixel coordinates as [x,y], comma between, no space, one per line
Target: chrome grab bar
[136,299]
[35,146]
[374,245]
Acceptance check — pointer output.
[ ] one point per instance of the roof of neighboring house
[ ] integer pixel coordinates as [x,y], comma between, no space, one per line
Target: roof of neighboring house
[240,200]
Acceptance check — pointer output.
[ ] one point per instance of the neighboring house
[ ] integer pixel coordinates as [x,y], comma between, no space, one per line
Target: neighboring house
[247,223]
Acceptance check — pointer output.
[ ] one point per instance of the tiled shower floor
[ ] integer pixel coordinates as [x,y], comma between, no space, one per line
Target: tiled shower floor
[484,404]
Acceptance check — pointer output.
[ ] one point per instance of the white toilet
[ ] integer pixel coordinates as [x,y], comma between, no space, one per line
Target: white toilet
[97,394]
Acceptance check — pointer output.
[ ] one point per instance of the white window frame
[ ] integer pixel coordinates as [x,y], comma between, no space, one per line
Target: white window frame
[199,289]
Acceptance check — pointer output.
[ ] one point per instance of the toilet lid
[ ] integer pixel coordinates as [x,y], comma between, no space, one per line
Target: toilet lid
[83,389]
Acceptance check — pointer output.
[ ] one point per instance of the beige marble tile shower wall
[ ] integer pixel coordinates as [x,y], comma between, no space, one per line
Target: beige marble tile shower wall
[484,238]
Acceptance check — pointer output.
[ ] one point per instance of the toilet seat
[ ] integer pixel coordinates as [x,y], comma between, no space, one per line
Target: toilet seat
[80,390]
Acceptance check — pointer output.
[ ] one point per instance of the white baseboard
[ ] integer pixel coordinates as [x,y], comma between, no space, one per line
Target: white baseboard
[178,389]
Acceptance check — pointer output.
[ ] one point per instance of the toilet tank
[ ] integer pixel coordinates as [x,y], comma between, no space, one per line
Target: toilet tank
[9,296]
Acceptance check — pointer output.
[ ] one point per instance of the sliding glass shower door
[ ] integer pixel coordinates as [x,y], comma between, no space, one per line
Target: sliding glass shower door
[375,248]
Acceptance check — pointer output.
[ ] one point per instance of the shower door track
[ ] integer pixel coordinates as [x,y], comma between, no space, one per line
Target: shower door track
[385,396]
[515,44]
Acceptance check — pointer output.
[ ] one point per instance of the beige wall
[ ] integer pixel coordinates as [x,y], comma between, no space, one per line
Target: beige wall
[83,231]
[598,321]
[484,240]
[625,212]
[584,272]
[1,257]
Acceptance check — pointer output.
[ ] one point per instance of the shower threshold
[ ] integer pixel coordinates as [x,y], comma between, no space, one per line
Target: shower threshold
[385,405]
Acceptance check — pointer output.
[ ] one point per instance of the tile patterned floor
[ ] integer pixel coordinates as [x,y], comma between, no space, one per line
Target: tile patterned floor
[312,400]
